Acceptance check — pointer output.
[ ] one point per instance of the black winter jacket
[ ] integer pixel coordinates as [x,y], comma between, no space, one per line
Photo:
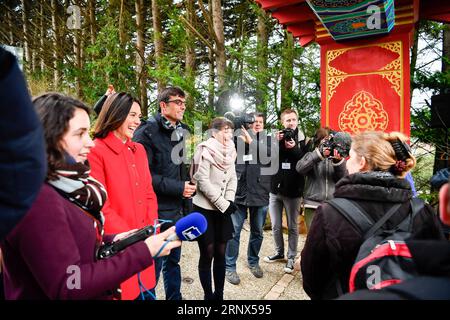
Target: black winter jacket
[333,243]
[288,182]
[253,187]
[168,177]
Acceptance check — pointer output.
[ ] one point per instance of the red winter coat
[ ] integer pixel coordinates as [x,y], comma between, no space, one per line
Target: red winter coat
[123,169]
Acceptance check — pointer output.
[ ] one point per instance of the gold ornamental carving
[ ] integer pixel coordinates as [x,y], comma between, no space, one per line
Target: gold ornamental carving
[333,83]
[362,113]
[392,46]
[392,72]
[335,76]
[395,78]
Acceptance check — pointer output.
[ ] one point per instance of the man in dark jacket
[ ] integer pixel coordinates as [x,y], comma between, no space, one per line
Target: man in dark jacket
[252,198]
[287,189]
[163,137]
[23,163]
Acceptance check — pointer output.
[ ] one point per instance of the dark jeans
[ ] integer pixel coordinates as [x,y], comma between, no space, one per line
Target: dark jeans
[170,267]
[257,220]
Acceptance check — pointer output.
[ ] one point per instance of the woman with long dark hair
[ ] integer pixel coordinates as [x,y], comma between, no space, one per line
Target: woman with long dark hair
[121,166]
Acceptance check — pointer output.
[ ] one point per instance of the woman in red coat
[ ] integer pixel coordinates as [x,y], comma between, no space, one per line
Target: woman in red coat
[121,166]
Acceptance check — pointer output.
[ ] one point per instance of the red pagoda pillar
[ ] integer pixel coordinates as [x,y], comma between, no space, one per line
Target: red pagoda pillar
[366,84]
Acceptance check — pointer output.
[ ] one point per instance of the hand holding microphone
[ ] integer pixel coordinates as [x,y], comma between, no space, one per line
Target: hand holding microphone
[186,229]
[156,242]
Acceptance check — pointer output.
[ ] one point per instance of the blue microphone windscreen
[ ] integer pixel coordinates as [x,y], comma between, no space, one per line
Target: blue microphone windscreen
[191,226]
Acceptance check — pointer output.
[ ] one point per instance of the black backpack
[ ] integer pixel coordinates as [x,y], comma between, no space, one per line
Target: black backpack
[383,258]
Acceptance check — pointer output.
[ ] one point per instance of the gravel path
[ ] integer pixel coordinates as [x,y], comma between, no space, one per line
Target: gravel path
[275,284]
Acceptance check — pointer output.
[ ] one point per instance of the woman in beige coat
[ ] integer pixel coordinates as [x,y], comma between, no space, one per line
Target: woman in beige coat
[215,176]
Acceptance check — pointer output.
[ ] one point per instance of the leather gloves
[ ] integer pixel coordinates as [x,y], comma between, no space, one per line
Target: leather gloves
[231,208]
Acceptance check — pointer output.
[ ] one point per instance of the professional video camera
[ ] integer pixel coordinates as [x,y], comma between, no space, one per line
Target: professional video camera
[289,134]
[339,141]
[244,120]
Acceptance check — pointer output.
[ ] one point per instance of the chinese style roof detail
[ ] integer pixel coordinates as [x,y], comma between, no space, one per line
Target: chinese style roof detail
[333,20]
[351,19]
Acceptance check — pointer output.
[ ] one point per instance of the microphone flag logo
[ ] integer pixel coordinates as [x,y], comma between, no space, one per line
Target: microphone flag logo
[191,233]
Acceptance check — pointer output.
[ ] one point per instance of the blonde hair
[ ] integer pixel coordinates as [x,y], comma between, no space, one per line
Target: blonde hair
[384,151]
[288,111]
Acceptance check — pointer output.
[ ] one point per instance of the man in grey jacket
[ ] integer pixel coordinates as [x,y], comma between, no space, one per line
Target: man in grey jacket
[252,199]
[322,170]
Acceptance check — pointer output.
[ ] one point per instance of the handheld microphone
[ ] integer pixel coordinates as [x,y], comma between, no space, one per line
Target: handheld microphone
[110,249]
[189,227]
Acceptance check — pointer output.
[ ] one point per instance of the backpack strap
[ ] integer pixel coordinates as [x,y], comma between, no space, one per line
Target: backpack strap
[382,221]
[362,221]
[417,205]
[358,217]
[353,213]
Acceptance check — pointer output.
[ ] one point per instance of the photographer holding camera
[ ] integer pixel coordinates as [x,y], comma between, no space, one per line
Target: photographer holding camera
[252,196]
[323,166]
[287,188]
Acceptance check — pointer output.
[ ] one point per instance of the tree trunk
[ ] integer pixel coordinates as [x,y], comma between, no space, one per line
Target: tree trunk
[77,55]
[77,52]
[262,56]
[221,59]
[158,42]
[26,37]
[55,27]
[414,51]
[140,55]
[92,30]
[212,78]
[442,155]
[446,49]
[287,72]
[92,24]
[446,70]
[190,51]
[42,37]
[121,24]
[10,27]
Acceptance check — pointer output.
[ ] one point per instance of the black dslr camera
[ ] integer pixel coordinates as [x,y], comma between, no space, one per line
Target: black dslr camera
[339,141]
[244,120]
[289,134]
